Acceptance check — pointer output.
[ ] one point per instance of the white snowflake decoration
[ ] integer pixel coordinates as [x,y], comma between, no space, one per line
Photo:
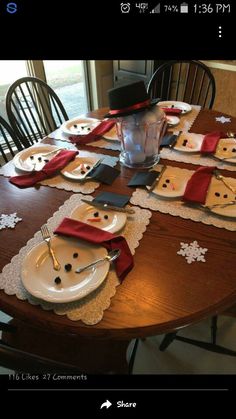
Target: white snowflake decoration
[9,221]
[222,119]
[192,252]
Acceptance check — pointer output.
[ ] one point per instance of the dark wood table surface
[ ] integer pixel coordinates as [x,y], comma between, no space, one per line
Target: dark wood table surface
[160,294]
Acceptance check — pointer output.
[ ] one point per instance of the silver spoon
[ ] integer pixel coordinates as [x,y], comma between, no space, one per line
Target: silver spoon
[219,205]
[114,254]
[230,134]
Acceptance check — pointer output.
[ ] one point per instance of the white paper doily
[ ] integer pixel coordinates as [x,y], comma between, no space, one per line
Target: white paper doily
[186,121]
[176,207]
[90,309]
[170,154]
[60,182]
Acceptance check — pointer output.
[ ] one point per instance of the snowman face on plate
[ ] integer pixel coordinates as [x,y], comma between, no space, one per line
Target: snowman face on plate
[218,193]
[172,182]
[37,161]
[189,143]
[226,148]
[78,168]
[110,221]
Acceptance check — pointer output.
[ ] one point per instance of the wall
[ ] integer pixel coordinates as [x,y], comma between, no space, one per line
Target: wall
[224,72]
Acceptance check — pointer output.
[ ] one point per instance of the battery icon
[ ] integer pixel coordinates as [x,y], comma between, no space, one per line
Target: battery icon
[184,8]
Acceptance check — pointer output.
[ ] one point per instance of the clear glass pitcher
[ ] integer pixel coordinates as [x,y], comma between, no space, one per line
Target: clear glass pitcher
[140,135]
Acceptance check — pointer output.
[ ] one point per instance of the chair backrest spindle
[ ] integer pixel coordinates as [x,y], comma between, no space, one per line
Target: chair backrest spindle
[186,80]
[34,109]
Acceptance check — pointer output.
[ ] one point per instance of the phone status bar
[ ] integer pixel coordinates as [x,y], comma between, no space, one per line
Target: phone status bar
[176,8]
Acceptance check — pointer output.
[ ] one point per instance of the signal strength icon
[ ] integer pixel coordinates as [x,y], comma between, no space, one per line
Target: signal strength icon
[156,9]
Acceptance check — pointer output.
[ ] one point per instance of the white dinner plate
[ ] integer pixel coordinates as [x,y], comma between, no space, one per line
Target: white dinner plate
[111,221]
[172,182]
[79,126]
[226,150]
[111,135]
[33,158]
[185,107]
[189,143]
[172,120]
[38,275]
[79,168]
[218,193]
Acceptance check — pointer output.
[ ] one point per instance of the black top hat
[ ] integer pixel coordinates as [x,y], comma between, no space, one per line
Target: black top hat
[128,99]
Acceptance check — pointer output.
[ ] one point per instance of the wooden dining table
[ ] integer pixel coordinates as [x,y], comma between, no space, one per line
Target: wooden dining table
[161,293]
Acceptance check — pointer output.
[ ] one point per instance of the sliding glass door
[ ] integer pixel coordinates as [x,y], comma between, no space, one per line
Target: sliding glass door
[68,80]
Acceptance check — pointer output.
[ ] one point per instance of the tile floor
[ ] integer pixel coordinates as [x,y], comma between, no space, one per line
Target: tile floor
[181,358]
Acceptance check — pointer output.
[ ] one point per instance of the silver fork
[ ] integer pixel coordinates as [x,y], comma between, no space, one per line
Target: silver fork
[47,238]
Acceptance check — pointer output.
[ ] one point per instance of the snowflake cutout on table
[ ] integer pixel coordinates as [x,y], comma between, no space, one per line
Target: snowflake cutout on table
[222,119]
[9,221]
[192,252]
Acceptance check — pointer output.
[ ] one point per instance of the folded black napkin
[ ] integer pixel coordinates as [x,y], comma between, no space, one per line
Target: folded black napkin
[115,199]
[143,178]
[168,140]
[104,173]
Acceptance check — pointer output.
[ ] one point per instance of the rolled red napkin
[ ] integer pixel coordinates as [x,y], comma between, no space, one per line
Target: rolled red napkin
[197,186]
[95,134]
[49,170]
[73,228]
[172,111]
[210,142]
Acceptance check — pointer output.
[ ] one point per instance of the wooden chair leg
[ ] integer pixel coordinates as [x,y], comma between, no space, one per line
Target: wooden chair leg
[168,339]
[207,346]
[213,329]
[132,358]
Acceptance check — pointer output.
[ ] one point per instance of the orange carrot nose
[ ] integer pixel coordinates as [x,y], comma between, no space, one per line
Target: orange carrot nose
[94,220]
[172,186]
[189,145]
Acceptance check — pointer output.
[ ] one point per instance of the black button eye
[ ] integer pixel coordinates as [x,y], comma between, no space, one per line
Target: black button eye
[68,267]
[82,172]
[57,280]
[96,214]
[225,149]
[106,217]
[167,180]
[233,150]
[225,196]
[217,194]
[164,185]
[87,167]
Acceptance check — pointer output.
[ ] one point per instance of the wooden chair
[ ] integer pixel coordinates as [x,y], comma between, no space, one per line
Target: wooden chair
[209,346]
[188,81]
[34,109]
[9,143]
